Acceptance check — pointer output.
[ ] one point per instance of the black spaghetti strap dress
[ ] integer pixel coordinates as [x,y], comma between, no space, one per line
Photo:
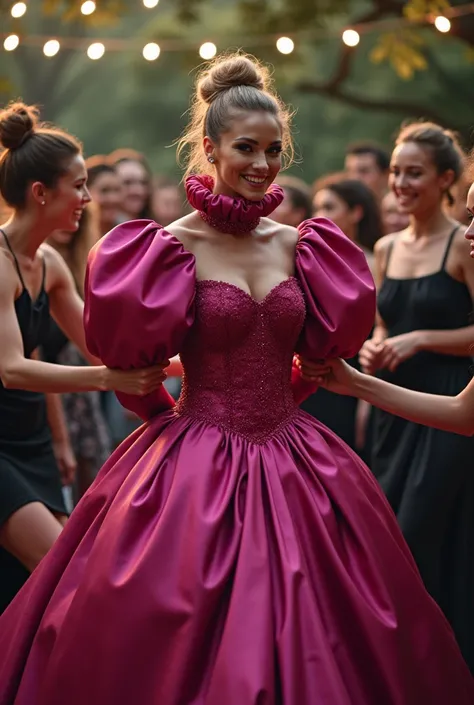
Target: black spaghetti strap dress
[426,474]
[28,469]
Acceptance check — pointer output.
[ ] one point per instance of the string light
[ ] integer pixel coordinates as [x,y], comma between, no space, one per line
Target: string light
[51,47]
[18,10]
[96,51]
[11,42]
[350,37]
[442,24]
[285,45]
[150,4]
[151,51]
[207,51]
[88,7]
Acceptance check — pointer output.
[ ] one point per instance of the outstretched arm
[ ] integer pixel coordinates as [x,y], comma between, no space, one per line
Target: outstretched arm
[454,414]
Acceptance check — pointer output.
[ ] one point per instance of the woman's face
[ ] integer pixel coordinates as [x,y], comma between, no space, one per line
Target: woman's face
[135,187]
[106,193]
[65,203]
[470,209]
[393,218]
[167,204]
[327,204]
[414,179]
[248,156]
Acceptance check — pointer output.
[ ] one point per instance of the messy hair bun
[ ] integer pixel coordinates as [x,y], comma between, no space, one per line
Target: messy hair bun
[230,84]
[235,71]
[17,123]
[32,152]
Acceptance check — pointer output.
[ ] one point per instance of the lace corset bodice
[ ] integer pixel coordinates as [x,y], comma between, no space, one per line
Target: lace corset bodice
[237,357]
[143,304]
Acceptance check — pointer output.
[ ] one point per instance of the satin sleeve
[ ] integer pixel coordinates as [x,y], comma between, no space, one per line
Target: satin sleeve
[139,303]
[339,293]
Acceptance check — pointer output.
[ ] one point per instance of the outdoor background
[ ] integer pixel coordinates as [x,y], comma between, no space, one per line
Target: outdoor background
[402,68]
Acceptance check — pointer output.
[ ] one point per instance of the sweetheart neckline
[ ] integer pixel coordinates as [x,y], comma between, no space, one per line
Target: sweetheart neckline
[259,302]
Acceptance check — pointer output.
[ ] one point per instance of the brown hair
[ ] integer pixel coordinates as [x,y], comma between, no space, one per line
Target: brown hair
[33,151]
[232,83]
[444,145]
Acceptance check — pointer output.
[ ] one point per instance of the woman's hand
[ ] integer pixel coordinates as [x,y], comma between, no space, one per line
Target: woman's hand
[334,375]
[66,461]
[370,356]
[398,349]
[138,382]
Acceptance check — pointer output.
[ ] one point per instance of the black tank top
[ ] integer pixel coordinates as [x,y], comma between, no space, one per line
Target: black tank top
[23,413]
[432,302]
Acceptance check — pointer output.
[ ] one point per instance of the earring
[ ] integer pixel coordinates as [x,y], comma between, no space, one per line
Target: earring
[43,203]
[211,160]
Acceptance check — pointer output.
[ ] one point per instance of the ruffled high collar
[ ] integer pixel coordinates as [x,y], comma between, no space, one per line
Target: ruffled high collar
[229,214]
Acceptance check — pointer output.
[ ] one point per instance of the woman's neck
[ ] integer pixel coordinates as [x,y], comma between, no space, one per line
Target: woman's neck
[26,233]
[434,223]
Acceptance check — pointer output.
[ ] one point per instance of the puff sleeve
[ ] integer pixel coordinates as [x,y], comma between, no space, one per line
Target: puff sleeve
[339,292]
[139,303]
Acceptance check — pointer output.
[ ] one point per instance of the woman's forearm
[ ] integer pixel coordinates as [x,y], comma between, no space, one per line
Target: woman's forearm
[37,376]
[448,342]
[445,413]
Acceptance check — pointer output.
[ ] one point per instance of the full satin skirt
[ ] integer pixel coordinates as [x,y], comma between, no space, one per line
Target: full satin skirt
[204,569]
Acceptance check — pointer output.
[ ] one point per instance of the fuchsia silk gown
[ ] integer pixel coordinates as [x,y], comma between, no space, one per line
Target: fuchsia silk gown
[232,551]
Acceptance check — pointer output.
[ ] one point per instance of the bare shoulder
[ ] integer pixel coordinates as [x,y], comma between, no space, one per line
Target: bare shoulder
[187,229]
[286,234]
[460,245]
[54,261]
[58,273]
[9,281]
[383,245]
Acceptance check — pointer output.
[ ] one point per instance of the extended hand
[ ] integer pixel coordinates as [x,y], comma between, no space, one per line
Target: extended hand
[370,356]
[334,375]
[139,382]
[398,349]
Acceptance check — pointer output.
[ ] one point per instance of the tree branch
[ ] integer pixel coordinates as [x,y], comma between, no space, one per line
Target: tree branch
[408,109]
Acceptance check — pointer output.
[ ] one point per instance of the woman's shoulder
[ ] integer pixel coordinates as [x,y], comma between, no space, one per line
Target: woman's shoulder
[383,245]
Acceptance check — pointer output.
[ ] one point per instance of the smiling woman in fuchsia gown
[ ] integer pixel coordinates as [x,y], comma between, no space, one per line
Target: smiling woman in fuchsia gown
[232,551]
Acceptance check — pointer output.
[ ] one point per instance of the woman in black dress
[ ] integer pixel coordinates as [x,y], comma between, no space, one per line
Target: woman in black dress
[43,179]
[422,342]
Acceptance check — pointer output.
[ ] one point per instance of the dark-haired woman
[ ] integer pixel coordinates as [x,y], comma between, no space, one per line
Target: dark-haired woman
[353,207]
[422,341]
[43,180]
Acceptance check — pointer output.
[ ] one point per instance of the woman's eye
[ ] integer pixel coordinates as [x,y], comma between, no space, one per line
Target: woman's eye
[243,147]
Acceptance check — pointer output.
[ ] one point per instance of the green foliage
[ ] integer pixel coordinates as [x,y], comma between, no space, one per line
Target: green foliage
[403,51]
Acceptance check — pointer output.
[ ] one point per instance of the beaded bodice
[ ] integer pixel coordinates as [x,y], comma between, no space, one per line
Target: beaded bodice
[237,358]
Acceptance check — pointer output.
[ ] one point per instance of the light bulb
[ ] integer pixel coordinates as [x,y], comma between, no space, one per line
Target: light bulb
[442,24]
[151,51]
[208,50]
[51,47]
[11,42]
[96,51]
[88,7]
[350,37]
[150,4]
[18,9]
[285,45]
